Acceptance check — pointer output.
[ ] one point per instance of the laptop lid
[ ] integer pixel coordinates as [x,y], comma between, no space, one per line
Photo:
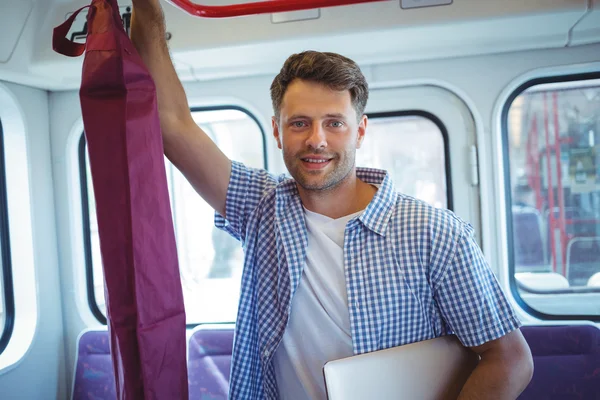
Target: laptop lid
[432,369]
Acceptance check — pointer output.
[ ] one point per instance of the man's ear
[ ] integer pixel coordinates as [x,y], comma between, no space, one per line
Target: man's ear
[276,132]
[362,130]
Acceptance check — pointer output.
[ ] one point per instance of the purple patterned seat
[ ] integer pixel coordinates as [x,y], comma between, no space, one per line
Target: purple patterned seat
[208,365]
[566,361]
[94,376]
[209,362]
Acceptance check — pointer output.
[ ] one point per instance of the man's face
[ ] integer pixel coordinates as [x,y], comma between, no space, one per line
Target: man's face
[319,133]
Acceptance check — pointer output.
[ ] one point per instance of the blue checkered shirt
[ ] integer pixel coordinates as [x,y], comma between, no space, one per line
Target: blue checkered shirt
[413,272]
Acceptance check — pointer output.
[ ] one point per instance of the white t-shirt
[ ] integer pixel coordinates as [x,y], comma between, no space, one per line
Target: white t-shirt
[319,327]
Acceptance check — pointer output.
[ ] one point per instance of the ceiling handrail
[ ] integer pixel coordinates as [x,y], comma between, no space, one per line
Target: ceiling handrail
[260,7]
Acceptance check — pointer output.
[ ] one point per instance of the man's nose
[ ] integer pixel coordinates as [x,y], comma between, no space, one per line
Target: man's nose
[317,137]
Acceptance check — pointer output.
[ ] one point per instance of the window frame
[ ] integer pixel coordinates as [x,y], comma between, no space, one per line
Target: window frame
[5,254]
[85,208]
[512,281]
[445,137]
[248,113]
[87,237]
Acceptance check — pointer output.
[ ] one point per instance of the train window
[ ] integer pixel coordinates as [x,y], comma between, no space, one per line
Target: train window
[552,140]
[6,288]
[418,170]
[209,259]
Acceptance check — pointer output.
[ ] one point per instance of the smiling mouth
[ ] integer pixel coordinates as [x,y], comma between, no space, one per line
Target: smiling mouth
[315,163]
[316,160]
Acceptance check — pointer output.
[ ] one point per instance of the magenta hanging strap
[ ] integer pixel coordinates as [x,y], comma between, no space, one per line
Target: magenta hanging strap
[61,44]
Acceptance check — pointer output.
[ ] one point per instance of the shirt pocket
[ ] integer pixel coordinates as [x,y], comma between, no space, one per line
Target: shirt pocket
[397,297]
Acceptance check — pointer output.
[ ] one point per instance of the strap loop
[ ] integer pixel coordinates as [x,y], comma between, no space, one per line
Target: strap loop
[61,44]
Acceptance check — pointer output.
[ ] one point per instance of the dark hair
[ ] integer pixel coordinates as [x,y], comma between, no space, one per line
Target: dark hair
[330,69]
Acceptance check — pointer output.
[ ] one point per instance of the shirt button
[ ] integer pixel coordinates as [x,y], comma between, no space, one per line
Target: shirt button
[266,353]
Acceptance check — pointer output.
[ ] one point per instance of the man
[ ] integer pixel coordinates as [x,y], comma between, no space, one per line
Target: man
[336,262]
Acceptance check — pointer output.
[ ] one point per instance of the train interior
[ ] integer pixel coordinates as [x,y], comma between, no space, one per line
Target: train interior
[488,108]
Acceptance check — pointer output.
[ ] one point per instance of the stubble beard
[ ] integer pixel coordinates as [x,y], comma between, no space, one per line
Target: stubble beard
[340,168]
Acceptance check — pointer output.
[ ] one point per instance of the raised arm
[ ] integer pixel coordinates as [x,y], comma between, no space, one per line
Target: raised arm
[186,145]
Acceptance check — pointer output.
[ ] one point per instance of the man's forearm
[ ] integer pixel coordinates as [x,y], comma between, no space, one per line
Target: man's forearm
[148,36]
[497,379]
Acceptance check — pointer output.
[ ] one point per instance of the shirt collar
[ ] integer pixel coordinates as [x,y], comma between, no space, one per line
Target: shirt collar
[378,212]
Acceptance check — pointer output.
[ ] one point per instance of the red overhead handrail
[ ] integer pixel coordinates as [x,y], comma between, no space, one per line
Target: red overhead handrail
[260,7]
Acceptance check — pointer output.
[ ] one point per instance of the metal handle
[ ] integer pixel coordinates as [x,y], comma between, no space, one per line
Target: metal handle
[260,7]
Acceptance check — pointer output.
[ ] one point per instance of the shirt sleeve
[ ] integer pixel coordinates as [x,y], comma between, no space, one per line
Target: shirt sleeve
[247,186]
[470,298]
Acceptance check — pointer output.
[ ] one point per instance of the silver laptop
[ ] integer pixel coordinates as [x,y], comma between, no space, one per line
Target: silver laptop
[432,369]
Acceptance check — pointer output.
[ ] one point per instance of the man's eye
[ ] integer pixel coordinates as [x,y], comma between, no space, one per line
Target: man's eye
[337,124]
[298,124]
